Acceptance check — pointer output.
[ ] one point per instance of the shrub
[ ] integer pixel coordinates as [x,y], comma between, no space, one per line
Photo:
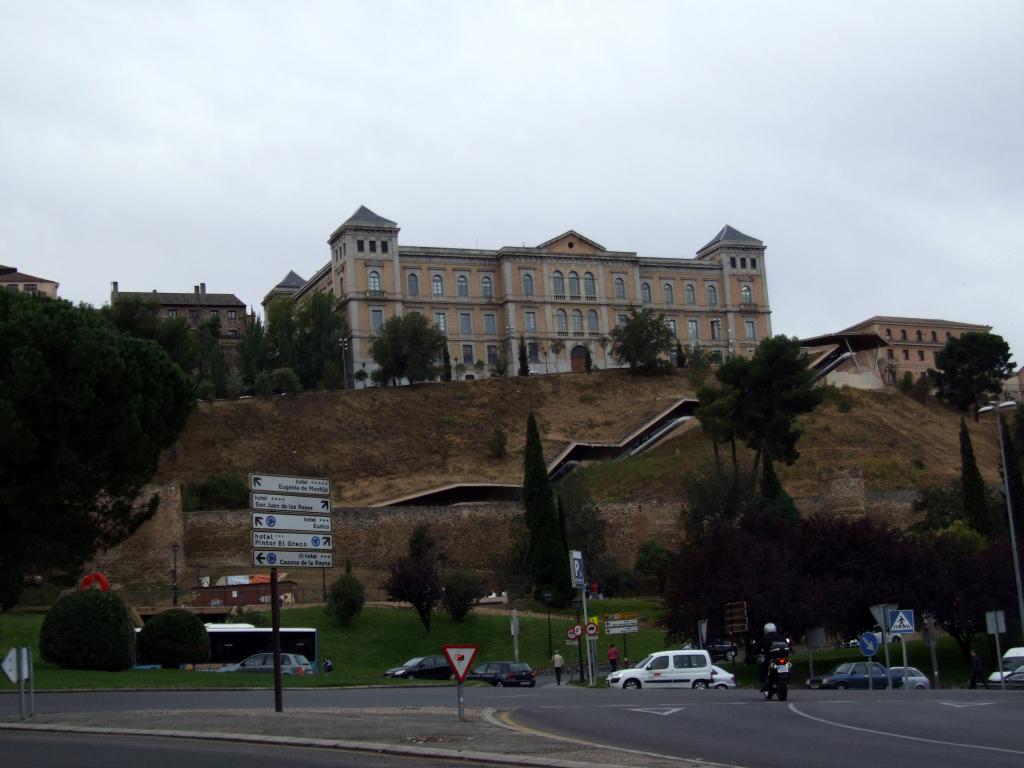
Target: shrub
[461,590]
[225,491]
[284,380]
[88,630]
[496,444]
[262,384]
[173,638]
[345,598]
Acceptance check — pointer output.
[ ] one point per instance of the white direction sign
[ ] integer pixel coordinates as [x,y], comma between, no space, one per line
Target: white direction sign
[289,540]
[284,502]
[287,559]
[284,484]
[624,627]
[11,665]
[274,521]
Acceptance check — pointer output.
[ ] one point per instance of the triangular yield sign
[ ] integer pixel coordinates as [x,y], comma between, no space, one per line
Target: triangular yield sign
[460,658]
[660,711]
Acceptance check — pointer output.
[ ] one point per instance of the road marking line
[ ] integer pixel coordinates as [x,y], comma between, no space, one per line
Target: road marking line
[793,709]
[659,711]
[961,706]
[504,719]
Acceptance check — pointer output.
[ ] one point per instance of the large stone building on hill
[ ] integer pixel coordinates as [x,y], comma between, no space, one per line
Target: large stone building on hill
[194,308]
[13,280]
[569,289]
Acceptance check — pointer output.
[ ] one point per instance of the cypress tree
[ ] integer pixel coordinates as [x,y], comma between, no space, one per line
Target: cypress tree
[524,358]
[446,362]
[972,488]
[1015,480]
[547,556]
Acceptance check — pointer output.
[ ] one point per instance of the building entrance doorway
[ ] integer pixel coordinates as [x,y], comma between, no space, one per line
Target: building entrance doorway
[578,357]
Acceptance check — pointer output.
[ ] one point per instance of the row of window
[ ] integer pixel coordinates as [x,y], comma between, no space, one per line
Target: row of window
[891,353]
[743,262]
[558,288]
[25,287]
[919,335]
[193,314]
[372,244]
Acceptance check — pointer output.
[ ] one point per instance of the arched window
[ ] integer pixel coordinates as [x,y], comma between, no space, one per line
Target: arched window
[592,326]
[690,294]
[437,284]
[574,284]
[487,287]
[712,292]
[668,295]
[589,287]
[645,293]
[560,321]
[903,334]
[413,284]
[527,285]
[577,321]
[620,288]
[746,295]
[557,283]
[375,281]
[920,336]
[462,285]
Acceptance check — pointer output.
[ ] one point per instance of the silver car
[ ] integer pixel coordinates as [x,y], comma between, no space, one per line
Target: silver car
[291,664]
[722,678]
[913,678]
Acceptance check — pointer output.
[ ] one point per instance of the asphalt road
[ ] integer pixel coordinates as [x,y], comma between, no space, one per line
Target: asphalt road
[815,729]
[55,750]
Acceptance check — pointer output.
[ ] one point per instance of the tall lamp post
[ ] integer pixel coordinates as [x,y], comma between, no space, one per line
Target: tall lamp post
[999,408]
[343,345]
[547,603]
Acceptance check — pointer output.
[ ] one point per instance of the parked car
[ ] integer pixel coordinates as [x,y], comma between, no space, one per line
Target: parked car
[667,669]
[913,678]
[502,673]
[721,678]
[721,649]
[422,668]
[1012,659]
[1015,679]
[291,664]
[854,674]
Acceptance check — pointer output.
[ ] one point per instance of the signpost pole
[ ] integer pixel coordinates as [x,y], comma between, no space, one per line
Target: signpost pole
[461,701]
[19,660]
[31,683]
[515,635]
[885,642]
[999,655]
[275,639]
[903,642]
[932,641]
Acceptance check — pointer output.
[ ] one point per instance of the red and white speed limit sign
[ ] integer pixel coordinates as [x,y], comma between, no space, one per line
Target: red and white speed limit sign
[591,629]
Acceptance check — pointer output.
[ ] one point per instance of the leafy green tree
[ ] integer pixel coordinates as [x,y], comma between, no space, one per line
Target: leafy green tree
[173,638]
[460,370]
[939,507]
[479,366]
[284,381]
[643,340]
[446,363]
[585,529]
[281,333]
[346,597]
[698,366]
[971,370]
[524,358]
[556,347]
[406,348]
[546,554]
[140,318]
[361,377]
[652,563]
[680,355]
[253,350]
[88,630]
[978,512]
[414,579]
[319,328]
[85,411]
[461,590]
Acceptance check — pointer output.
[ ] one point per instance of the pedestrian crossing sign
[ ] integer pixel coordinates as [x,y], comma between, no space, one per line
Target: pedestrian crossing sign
[901,622]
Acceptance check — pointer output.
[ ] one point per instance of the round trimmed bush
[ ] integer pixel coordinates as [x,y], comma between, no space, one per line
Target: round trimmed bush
[88,630]
[345,598]
[174,637]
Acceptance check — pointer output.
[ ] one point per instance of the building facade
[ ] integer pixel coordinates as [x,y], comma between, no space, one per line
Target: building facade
[914,343]
[13,280]
[194,308]
[563,296]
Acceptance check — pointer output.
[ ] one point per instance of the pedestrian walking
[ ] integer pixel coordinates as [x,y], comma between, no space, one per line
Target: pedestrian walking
[613,657]
[977,671]
[328,666]
[558,662]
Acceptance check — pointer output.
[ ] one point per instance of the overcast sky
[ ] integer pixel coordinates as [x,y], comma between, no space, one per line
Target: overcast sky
[876,147]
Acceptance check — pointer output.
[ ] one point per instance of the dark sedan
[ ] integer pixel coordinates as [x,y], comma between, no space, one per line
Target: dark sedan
[422,668]
[502,673]
[854,674]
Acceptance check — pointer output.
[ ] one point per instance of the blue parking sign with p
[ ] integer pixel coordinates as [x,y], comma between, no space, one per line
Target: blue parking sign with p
[578,574]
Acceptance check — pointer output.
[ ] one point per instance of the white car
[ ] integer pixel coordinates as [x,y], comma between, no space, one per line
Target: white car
[722,678]
[1012,659]
[912,678]
[667,669]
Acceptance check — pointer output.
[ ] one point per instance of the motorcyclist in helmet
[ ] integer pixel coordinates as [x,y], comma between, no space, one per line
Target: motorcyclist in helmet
[764,648]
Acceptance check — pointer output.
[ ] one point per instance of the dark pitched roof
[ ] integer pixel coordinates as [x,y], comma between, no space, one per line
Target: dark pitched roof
[733,236]
[365,216]
[291,280]
[206,299]
[18,277]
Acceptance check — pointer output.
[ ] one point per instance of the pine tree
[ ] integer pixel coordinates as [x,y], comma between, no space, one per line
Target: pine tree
[547,555]
[972,488]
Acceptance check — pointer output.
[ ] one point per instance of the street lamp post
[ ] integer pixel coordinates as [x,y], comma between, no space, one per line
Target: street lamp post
[343,344]
[998,408]
[547,603]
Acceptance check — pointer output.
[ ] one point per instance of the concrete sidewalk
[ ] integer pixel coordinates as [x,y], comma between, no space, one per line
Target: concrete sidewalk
[484,737]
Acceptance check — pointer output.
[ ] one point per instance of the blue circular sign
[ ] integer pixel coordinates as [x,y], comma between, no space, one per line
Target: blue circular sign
[868,644]
[271,558]
[271,521]
[315,541]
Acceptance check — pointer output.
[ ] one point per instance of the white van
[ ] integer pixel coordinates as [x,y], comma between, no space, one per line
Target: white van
[667,669]
[1012,660]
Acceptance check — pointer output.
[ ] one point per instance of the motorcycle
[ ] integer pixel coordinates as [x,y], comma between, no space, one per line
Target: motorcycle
[779,669]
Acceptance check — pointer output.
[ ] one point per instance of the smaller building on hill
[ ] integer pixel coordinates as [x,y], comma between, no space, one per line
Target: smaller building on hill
[913,343]
[1013,387]
[848,359]
[13,280]
[195,307]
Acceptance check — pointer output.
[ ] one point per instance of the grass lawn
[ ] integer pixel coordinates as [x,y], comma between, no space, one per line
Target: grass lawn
[378,639]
